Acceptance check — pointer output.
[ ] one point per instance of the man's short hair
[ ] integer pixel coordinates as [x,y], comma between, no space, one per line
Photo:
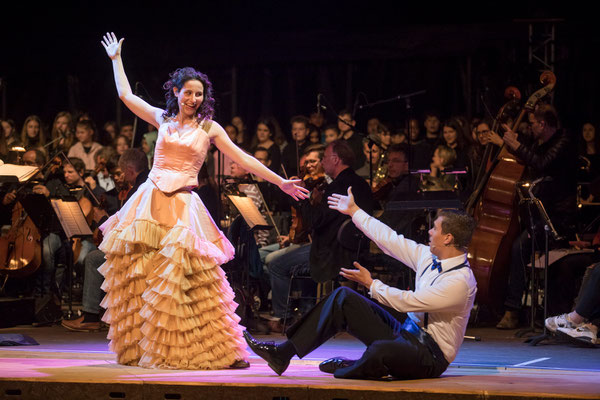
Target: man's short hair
[459,224]
[260,148]
[398,148]
[341,149]
[40,157]
[135,158]
[548,114]
[301,119]
[78,164]
[106,152]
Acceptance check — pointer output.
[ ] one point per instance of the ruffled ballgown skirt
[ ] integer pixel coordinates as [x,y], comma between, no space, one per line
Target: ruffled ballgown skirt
[168,302]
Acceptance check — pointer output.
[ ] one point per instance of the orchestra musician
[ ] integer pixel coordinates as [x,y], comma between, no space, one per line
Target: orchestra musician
[325,255]
[130,172]
[550,158]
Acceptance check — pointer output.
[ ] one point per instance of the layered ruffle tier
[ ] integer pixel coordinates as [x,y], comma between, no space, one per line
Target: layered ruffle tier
[168,302]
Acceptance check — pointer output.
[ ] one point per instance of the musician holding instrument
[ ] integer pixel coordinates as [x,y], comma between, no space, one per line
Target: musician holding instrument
[130,172]
[325,255]
[550,160]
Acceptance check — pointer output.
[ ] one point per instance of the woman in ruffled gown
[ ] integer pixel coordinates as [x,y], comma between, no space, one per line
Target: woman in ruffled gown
[168,302]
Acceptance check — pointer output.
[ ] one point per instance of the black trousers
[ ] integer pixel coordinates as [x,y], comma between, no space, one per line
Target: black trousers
[393,348]
[588,305]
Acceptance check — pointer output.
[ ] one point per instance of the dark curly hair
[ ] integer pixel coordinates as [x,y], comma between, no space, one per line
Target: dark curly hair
[178,78]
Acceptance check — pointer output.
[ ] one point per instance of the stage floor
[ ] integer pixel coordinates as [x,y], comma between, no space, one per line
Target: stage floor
[72,365]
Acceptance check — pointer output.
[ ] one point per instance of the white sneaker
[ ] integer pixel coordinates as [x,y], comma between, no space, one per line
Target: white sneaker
[559,321]
[584,333]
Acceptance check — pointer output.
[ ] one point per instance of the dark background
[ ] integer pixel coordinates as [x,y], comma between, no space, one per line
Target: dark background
[268,57]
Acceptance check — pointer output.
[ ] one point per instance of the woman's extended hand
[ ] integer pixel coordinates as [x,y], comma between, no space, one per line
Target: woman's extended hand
[344,204]
[112,45]
[291,187]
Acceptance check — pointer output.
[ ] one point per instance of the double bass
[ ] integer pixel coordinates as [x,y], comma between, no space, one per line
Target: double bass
[495,214]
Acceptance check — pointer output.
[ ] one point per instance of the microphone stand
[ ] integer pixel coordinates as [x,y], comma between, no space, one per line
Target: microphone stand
[408,116]
[548,229]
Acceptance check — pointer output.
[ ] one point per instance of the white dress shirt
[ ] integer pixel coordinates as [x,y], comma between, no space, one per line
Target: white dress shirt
[447,296]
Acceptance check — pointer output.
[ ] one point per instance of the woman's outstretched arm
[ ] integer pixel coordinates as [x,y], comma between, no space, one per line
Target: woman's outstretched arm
[139,107]
[251,164]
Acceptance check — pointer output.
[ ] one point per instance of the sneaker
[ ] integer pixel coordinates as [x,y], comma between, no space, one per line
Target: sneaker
[585,334]
[560,321]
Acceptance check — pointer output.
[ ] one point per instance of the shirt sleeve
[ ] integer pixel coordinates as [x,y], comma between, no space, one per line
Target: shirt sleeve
[448,294]
[391,243]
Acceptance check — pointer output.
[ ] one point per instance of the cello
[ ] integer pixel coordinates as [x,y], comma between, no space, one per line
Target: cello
[495,213]
[20,248]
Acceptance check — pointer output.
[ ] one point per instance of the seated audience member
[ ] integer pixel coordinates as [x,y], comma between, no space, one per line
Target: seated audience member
[291,154]
[127,131]
[314,134]
[33,135]
[372,153]
[443,159]
[121,144]
[85,149]
[453,134]
[62,133]
[331,133]
[347,127]
[265,138]
[372,126]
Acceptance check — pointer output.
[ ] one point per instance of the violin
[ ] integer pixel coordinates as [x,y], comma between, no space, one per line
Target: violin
[382,189]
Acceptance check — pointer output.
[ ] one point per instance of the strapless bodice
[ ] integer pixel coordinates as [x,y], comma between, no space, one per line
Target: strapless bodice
[178,156]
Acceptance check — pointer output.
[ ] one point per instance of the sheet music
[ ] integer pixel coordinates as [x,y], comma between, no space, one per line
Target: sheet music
[71,218]
[21,172]
[246,207]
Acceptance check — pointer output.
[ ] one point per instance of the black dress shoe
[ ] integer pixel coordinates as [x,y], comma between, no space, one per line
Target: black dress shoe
[335,363]
[268,351]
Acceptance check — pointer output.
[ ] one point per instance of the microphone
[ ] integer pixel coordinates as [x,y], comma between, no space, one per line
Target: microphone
[319,106]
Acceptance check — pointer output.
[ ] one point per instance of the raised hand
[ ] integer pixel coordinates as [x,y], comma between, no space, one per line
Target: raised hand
[360,275]
[290,186]
[112,45]
[344,204]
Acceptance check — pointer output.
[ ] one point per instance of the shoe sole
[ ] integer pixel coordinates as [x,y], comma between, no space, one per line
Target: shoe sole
[81,329]
[585,342]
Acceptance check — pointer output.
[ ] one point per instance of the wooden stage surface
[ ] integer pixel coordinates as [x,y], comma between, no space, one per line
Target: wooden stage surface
[71,365]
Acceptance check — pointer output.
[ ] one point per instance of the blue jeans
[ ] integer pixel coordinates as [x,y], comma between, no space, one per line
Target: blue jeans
[281,271]
[92,280]
[49,277]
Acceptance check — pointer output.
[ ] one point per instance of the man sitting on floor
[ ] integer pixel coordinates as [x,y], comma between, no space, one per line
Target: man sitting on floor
[437,310]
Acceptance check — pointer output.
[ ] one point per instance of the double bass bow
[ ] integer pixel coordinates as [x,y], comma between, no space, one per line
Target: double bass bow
[495,213]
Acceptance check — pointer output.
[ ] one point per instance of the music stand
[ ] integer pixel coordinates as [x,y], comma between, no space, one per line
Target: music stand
[74,224]
[16,173]
[255,221]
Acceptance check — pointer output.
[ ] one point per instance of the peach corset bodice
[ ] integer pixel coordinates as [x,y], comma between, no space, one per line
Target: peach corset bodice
[178,156]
